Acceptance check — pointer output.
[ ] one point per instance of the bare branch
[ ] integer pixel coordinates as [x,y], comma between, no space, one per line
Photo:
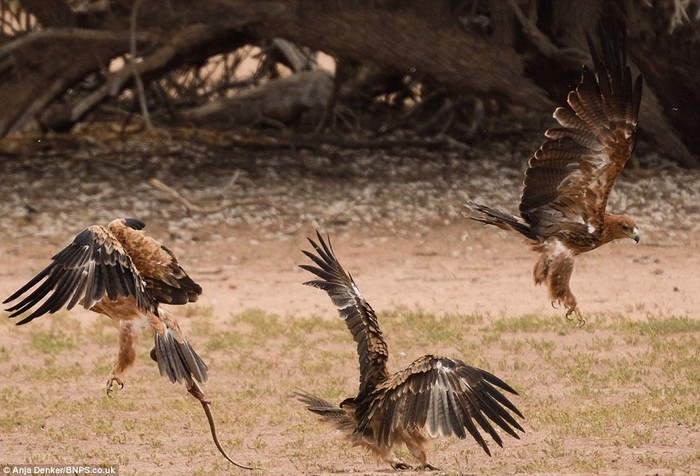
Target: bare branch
[156,60]
[71,34]
[573,57]
[132,66]
[191,208]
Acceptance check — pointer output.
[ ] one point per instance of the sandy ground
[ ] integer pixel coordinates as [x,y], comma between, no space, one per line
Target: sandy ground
[447,265]
[460,268]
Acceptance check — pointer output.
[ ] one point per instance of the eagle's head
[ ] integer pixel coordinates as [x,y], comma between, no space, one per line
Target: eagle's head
[622,226]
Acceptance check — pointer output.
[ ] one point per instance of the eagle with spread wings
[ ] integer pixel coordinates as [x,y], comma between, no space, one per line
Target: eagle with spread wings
[568,181]
[121,272]
[434,396]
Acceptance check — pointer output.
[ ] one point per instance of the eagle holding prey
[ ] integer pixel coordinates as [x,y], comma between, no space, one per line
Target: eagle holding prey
[568,181]
[121,272]
[124,274]
[433,396]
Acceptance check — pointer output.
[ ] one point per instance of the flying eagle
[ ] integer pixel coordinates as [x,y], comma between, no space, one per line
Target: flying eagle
[120,272]
[568,181]
[434,396]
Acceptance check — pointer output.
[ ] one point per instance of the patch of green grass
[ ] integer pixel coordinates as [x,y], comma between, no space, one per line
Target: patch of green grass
[543,347]
[101,427]
[670,461]
[52,341]
[197,310]
[226,340]
[156,443]
[638,437]
[317,323]
[530,323]
[554,447]
[263,324]
[12,397]
[615,396]
[532,466]
[429,331]
[115,404]
[598,344]
[488,337]
[129,424]
[658,326]
[592,462]
[50,371]
[321,366]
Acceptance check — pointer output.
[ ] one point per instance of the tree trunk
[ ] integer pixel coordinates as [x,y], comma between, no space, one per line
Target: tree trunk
[530,64]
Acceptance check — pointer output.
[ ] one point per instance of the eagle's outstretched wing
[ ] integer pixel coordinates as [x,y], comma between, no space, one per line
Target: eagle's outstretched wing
[570,177]
[352,307]
[93,267]
[442,397]
[162,274]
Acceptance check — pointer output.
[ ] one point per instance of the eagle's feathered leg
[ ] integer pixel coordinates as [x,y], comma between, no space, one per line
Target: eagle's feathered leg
[382,452]
[554,267]
[125,358]
[415,442]
[343,420]
[125,311]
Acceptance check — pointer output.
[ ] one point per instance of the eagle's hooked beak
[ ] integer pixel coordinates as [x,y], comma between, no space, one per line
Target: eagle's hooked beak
[635,235]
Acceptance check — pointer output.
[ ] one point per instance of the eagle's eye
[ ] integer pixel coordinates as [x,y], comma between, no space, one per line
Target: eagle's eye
[626,227]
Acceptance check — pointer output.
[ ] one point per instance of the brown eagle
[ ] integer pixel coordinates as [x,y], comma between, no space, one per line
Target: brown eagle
[120,272]
[434,396]
[567,183]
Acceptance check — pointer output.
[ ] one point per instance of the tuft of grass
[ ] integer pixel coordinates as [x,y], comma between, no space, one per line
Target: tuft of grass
[260,322]
[52,341]
[530,323]
[316,323]
[658,326]
[52,371]
[226,340]
[543,347]
[197,310]
[156,443]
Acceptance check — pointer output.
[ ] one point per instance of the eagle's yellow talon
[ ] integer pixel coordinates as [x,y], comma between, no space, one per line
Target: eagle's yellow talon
[110,385]
[580,321]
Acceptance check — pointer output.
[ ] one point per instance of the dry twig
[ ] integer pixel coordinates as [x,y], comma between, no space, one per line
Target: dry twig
[191,208]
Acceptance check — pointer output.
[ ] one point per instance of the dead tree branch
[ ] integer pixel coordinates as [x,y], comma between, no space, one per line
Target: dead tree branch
[192,208]
[414,46]
[132,66]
